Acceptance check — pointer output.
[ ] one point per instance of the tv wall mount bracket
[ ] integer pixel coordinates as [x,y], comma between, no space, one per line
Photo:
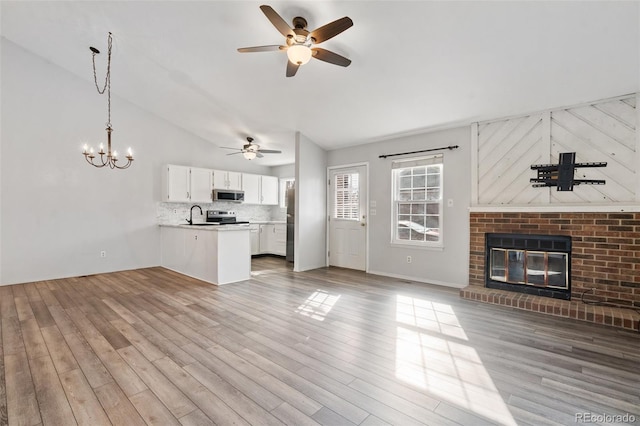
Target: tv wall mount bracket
[561,175]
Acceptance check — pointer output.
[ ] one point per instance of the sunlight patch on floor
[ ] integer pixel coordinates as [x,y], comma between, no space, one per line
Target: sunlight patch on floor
[318,305]
[445,367]
[432,316]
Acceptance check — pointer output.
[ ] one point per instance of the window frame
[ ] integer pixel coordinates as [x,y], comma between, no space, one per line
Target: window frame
[397,167]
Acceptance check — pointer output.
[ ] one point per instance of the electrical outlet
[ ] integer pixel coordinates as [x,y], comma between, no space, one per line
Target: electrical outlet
[408,259]
[103,253]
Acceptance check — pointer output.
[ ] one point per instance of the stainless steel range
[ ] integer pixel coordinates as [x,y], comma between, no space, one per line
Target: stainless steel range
[223,217]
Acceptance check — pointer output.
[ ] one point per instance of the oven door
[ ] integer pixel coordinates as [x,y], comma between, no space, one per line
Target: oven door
[226,195]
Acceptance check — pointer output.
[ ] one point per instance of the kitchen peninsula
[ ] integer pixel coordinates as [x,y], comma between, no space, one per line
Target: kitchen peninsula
[218,254]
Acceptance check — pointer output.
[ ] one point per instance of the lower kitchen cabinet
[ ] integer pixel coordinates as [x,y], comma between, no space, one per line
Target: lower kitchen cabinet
[254,232]
[273,239]
[216,255]
[280,239]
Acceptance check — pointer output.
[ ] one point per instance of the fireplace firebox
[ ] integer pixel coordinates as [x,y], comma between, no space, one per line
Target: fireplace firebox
[532,264]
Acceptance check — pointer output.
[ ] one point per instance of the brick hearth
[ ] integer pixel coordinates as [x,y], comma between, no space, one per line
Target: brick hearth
[605,256]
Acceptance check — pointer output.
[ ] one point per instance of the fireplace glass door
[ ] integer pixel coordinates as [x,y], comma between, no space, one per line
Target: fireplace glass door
[535,268]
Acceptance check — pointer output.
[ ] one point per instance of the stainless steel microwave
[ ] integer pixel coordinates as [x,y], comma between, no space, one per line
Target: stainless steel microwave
[228,195]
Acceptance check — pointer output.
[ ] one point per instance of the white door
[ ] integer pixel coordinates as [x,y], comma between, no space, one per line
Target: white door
[348,217]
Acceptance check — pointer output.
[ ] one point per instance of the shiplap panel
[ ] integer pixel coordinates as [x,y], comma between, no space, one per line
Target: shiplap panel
[505,155]
[604,131]
[601,131]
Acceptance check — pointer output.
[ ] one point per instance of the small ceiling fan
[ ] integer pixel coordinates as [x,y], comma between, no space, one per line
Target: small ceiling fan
[251,150]
[299,41]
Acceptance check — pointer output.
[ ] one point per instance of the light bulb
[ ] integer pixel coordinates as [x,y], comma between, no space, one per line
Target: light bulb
[249,155]
[299,54]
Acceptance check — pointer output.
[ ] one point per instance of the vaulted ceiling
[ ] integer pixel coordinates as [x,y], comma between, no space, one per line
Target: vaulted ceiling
[417,65]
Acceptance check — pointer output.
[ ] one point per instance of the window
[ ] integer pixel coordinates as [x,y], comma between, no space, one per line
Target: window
[417,201]
[347,200]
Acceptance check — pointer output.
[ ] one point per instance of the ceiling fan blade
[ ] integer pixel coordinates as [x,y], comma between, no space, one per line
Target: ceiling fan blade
[329,56]
[259,155]
[269,48]
[270,151]
[277,21]
[228,147]
[234,153]
[292,68]
[332,29]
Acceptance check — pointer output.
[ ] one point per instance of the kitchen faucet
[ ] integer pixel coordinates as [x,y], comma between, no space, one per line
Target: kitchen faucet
[190,220]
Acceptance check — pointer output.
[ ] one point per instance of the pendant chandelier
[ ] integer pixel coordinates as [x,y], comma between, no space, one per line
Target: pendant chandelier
[109,158]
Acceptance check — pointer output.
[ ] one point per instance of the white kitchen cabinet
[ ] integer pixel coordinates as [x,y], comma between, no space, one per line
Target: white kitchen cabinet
[254,234]
[186,184]
[266,238]
[217,255]
[251,188]
[260,189]
[201,185]
[273,239]
[227,180]
[269,190]
[280,239]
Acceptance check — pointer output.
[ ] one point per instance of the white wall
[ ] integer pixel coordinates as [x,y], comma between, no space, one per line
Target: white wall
[58,212]
[285,171]
[311,206]
[446,267]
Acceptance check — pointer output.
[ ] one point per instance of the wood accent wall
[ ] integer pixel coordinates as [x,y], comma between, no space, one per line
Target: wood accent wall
[605,249]
[601,131]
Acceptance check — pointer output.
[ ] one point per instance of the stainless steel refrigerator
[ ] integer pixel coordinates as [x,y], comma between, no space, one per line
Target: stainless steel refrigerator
[291,220]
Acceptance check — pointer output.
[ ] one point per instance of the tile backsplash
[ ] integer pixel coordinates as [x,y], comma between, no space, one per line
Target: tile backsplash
[245,212]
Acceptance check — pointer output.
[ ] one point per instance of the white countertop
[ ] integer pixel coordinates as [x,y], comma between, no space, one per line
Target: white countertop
[217,228]
[267,222]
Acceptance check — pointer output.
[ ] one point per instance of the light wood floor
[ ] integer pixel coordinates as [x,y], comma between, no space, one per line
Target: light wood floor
[330,346]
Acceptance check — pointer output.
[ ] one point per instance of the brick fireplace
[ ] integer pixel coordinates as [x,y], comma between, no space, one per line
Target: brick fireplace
[605,263]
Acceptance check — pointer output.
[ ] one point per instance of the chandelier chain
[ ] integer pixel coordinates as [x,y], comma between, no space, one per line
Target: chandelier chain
[107,79]
[108,158]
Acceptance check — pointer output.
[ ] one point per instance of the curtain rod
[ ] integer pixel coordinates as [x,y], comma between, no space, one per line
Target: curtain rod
[450,147]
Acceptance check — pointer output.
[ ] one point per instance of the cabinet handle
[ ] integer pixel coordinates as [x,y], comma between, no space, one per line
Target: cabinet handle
[188,196]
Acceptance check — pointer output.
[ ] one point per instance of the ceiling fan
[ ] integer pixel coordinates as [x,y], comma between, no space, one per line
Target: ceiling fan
[299,41]
[251,150]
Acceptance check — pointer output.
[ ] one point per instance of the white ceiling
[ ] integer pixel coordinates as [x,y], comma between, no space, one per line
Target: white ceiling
[417,65]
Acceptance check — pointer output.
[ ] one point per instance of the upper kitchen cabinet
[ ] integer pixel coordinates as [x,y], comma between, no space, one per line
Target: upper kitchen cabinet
[260,189]
[269,190]
[251,188]
[201,184]
[227,180]
[186,184]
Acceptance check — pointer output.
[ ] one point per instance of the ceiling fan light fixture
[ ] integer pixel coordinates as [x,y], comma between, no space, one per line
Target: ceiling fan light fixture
[249,155]
[299,54]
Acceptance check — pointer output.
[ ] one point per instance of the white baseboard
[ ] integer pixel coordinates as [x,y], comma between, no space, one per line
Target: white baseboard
[419,279]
